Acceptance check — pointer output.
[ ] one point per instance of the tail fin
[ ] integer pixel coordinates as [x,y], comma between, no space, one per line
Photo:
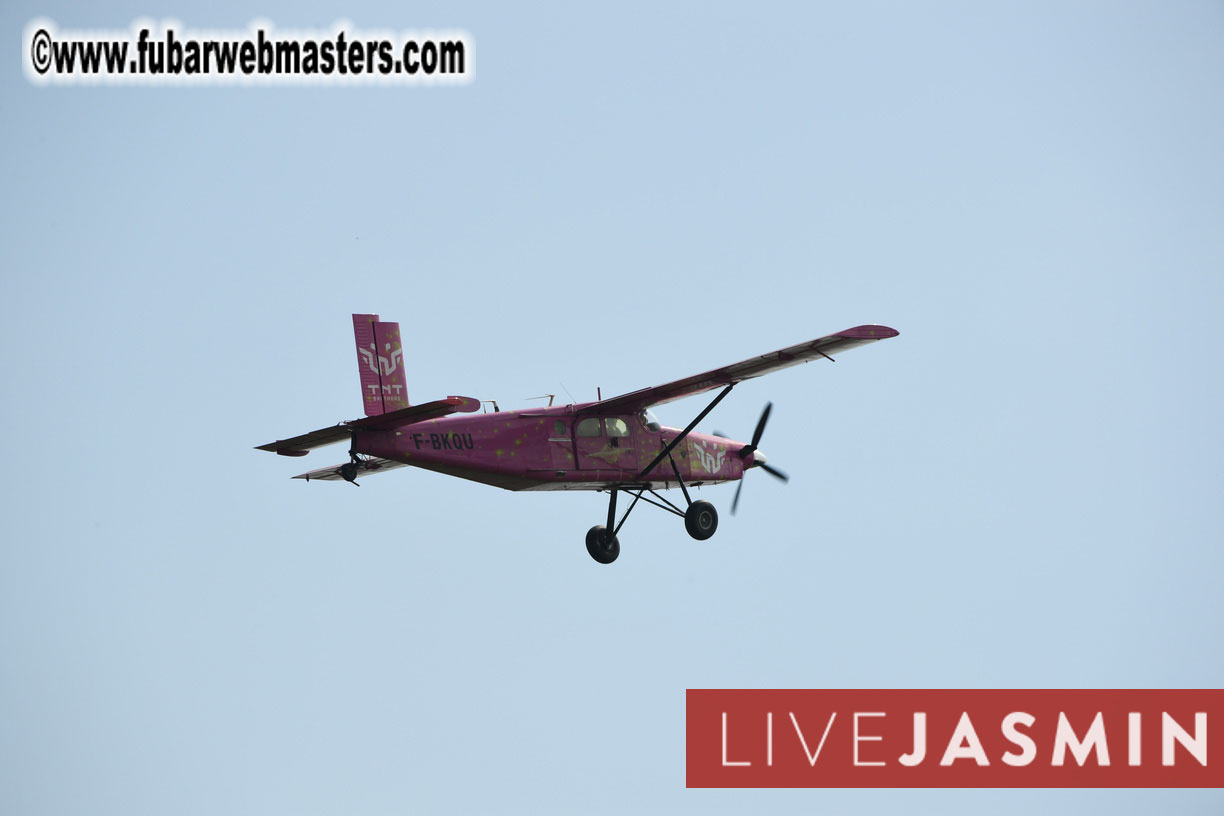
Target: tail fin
[380,361]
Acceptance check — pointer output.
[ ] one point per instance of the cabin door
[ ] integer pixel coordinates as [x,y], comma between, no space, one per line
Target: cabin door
[605,444]
[561,445]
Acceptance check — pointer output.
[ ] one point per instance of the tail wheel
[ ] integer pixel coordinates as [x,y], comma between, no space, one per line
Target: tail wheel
[701,520]
[602,545]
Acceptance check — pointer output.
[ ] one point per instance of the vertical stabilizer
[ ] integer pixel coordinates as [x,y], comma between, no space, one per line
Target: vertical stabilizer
[380,361]
[391,366]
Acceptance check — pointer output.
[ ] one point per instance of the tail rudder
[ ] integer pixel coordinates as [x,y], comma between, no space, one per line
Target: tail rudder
[380,361]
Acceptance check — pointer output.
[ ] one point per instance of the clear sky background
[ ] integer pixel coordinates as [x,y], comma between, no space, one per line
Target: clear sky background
[1022,490]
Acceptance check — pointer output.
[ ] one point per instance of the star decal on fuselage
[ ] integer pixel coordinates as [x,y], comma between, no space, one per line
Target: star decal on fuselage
[609,453]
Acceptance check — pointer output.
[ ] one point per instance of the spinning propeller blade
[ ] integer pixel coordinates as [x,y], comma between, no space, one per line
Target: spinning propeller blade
[758,458]
[774,472]
[756,435]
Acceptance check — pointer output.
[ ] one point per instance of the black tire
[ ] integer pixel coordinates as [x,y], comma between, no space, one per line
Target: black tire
[701,520]
[598,545]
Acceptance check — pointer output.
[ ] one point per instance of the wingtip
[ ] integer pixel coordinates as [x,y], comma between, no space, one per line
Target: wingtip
[870,332]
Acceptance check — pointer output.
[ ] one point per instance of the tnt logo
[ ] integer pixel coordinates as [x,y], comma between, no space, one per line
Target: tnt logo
[387,365]
[711,459]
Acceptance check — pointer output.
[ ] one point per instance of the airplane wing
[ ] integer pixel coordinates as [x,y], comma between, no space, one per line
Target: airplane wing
[818,349]
[301,445]
[367,467]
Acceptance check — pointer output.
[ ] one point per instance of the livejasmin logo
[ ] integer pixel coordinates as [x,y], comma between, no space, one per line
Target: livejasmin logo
[952,738]
[965,743]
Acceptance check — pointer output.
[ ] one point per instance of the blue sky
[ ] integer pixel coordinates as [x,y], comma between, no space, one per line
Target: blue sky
[1019,491]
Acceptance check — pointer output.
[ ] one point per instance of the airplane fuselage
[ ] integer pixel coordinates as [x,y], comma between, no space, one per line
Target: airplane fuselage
[570,447]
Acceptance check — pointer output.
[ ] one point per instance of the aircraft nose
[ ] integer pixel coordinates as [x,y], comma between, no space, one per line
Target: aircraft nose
[758,458]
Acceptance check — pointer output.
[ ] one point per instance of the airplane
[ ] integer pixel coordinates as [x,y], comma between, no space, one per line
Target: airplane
[615,445]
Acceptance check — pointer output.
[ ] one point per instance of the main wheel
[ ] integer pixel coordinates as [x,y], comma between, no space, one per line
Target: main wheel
[602,546]
[701,520]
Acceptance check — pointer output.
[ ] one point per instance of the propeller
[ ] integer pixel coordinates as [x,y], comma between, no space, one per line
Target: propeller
[758,459]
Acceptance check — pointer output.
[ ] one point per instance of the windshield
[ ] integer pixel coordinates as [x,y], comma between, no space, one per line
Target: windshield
[649,420]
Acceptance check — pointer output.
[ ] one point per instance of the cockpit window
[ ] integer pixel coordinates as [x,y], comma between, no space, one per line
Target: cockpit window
[616,426]
[558,428]
[588,427]
[649,420]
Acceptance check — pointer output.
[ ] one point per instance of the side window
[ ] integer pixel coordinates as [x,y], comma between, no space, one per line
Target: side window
[558,428]
[588,427]
[617,427]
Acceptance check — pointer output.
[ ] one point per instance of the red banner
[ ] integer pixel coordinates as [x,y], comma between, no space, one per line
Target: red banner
[954,738]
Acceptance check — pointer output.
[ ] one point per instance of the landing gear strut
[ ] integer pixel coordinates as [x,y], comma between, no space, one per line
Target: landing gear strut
[700,519]
[601,541]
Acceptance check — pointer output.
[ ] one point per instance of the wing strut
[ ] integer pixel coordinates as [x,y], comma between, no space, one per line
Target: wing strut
[667,451]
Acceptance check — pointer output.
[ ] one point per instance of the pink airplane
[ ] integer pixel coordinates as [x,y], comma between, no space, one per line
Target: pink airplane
[612,444]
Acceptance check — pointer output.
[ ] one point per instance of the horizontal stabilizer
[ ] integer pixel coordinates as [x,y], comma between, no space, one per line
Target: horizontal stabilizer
[301,445]
[304,444]
[416,413]
[364,468]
